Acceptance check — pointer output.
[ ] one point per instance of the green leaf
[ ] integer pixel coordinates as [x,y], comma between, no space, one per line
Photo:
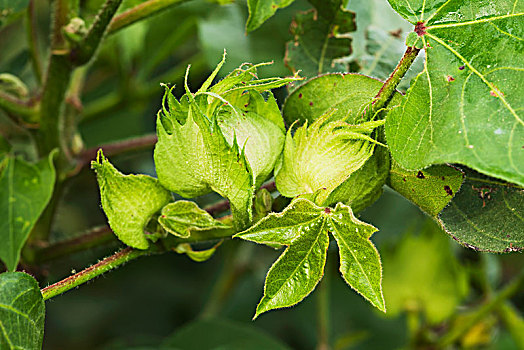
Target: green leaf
[466,107]
[25,190]
[182,217]
[22,312]
[348,94]
[222,334]
[197,255]
[320,37]
[359,259]
[261,10]
[423,275]
[304,227]
[128,201]
[486,214]
[431,189]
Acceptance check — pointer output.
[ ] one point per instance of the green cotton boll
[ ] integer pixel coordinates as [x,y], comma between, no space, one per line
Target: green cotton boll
[253,127]
[321,157]
[224,138]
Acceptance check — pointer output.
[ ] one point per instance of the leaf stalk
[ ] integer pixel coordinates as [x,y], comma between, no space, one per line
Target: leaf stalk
[389,88]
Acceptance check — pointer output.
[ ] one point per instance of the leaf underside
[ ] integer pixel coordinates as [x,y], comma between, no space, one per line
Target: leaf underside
[487,214]
[466,106]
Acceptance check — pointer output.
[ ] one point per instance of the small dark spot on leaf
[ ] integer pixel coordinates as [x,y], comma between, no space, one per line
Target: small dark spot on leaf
[300,95]
[507,236]
[334,84]
[412,190]
[449,78]
[443,178]
[311,103]
[420,175]
[462,67]
[274,6]
[327,210]
[448,190]
[404,179]
[247,104]
[162,216]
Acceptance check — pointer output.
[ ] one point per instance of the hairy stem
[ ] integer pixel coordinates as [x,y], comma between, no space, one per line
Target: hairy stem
[388,89]
[109,263]
[140,12]
[87,47]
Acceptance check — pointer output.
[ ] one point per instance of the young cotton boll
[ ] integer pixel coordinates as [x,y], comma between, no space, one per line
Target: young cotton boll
[318,158]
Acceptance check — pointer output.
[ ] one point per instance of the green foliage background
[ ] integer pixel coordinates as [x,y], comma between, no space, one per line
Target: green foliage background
[164,302]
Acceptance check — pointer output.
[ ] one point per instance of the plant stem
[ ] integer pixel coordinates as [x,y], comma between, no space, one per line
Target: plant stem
[87,47]
[140,12]
[32,39]
[510,289]
[91,272]
[15,107]
[323,314]
[94,238]
[389,88]
[115,148]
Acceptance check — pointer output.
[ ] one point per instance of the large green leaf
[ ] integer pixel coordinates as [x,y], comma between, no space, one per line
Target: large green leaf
[423,275]
[128,201]
[320,37]
[261,10]
[22,312]
[487,214]
[431,189]
[303,227]
[25,190]
[466,107]
[181,217]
